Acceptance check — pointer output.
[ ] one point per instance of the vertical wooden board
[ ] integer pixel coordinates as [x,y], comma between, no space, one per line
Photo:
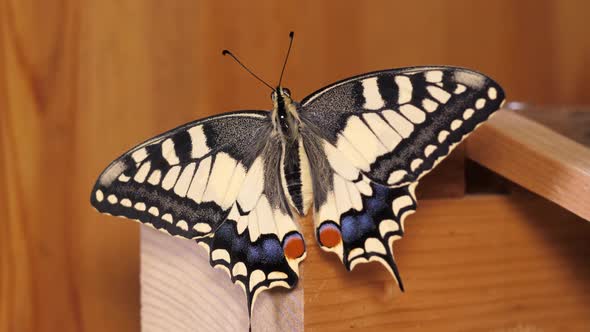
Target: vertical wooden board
[481,263]
[180,291]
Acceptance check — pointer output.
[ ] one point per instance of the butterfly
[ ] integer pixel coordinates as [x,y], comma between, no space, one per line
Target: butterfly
[354,150]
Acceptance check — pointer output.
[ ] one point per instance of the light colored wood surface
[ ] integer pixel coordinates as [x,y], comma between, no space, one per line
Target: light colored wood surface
[180,291]
[488,263]
[536,158]
[81,81]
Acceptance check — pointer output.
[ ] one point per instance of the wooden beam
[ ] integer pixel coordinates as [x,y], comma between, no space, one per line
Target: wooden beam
[535,157]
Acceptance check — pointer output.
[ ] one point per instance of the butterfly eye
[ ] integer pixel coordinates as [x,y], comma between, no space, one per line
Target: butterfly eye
[287,92]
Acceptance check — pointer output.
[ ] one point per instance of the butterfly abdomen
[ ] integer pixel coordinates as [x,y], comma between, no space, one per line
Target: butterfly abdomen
[296,177]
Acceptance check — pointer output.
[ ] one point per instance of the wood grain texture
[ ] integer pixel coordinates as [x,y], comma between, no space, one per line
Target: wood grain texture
[81,81]
[536,158]
[488,263]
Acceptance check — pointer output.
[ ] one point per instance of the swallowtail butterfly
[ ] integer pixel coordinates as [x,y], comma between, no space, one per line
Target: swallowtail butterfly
[354,150]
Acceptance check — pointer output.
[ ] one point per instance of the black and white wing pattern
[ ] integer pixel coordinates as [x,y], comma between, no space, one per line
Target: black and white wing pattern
[217,181]
[380,133]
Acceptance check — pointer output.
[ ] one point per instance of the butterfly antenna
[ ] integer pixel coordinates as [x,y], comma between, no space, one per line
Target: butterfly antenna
[226,52]
[291,35]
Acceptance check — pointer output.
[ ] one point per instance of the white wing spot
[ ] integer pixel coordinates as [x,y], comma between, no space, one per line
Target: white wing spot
[170,178]
[456,124]
[142,173]
[277,275]
[239,269]
[362,139]
[182,225]
[415,164]
[492,93]
[155,177]
[468,113]
[429,150]
[184,180]
[169,153]
[439,94]
[434,76]
[99,195]
[480,103]
[235,185]
[112,199]
[154,211]
[252,186]
[383,131]
[399,123]
[442,136]
[339,162]
[404,89]
[387,226]
[396,176]
[459,89]
[124,178]
[255,278]
[413,113]
[220,177]
[199,142]
[220,254]
[139,155]
[197,187]
[374,245]
[355,253]
[167,217]
[400,203]
[202,227]
[373,99]
[126,202]
[429,105]
[140,206]
[266,222]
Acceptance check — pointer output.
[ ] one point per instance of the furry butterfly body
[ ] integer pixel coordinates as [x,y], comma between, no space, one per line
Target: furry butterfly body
[354,150]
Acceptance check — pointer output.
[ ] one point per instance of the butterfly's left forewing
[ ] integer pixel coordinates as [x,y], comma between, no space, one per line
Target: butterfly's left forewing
[372,137]
[217,181]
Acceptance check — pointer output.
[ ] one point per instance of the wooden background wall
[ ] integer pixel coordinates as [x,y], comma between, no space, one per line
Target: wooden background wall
[81,81]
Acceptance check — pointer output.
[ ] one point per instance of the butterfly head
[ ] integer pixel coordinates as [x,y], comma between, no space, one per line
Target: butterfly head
[281,95]
[285,114]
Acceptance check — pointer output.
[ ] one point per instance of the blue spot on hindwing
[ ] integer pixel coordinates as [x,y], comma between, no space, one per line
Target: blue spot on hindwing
[356,228]
[273,251]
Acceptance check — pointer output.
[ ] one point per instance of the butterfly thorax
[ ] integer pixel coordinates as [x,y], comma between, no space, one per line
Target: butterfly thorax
[295,175]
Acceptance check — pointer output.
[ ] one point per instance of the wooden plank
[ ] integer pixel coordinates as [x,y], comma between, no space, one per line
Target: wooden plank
[484,263]
[536,158]
[180,291]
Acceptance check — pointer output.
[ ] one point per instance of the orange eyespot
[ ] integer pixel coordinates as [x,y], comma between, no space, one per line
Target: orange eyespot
[294,246]
[329,235]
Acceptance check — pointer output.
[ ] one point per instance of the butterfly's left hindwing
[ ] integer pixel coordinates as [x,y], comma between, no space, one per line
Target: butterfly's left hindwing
[217,181]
